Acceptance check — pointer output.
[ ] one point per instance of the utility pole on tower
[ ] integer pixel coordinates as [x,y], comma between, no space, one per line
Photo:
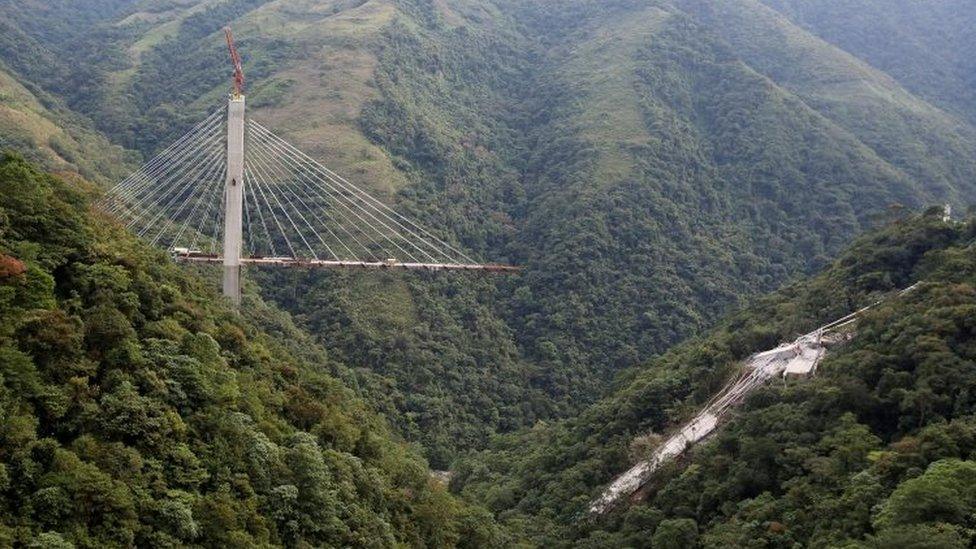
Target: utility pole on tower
[234,184]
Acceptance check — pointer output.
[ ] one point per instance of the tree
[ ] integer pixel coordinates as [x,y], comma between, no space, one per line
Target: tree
[945,493]
[675,534]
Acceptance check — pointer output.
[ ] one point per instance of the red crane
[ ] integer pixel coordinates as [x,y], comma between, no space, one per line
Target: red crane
[235,59]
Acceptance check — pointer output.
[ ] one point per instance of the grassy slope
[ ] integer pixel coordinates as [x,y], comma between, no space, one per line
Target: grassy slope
[926,143]
[924,46]
[61,142]
[316,98]
[312,97]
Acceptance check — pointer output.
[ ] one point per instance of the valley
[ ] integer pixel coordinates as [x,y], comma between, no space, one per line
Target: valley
[682,184]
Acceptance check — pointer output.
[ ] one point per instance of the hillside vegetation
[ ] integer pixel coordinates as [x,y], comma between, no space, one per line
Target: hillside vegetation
[645,170]
[650,165]
[877,451]
[922,45]
[138,409]
[52,136]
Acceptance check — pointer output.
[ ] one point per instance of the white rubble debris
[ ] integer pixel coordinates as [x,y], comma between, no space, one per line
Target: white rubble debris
[799,358]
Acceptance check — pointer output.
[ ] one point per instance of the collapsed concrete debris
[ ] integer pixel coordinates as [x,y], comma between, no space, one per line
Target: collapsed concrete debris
[798,359]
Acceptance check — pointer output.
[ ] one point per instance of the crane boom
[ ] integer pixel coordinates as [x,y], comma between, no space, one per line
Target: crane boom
[235,59]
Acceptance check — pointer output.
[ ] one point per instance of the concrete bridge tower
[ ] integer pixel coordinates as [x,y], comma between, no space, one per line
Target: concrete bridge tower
[234,199]
[234,184]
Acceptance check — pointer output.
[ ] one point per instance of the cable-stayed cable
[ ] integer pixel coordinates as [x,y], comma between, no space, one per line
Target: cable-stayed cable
[366,197]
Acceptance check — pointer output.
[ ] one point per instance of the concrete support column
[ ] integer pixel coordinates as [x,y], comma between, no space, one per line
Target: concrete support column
[234,199]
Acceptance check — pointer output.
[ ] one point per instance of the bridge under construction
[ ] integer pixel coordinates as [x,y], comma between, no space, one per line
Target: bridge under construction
[231,192]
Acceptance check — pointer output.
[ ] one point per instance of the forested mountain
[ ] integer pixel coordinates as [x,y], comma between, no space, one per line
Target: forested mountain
[138,409]
[650,163]
[879,450]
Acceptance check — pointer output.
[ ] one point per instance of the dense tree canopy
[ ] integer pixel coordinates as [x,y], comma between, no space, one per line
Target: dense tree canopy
[138,409]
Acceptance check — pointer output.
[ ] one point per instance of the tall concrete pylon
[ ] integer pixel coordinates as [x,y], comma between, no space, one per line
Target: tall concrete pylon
[234,199]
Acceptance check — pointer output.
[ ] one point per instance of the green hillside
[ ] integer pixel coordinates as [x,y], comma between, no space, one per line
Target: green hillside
[650,164]
[138,409]
[646,172]
[37,126]
[877,451]
[923,45]
[929,145]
